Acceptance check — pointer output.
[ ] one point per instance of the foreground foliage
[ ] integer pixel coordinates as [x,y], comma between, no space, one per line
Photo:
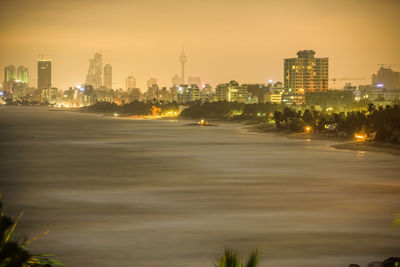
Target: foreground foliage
[230,259]
[12,249]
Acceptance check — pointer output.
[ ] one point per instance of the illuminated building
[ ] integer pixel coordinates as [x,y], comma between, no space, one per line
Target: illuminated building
[130,82]
[386,78]
[195,80]
[187,94]
[23,74]
[108,76]
[305,73]
[231,92]
[44,74]
[176,80]
[10,73]
[94,75]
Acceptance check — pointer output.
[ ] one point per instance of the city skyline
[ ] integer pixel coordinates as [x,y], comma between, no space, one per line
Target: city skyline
[218,49]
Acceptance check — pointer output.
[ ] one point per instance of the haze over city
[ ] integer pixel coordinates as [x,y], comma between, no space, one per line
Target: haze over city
[224,40]
[225,133]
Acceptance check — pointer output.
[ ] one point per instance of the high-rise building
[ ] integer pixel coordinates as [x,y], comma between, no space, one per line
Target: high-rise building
[94,75]
[23,74]
[44,74]
[305,73]
[183,60]
[176,80]
[130,82]
[108,76]
[386,78]
[10,73]
[195,80]
[151,82]
[231,92]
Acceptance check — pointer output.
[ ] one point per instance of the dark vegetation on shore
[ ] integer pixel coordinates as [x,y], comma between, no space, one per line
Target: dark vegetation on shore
[133,108]
[381,124]
[378,123]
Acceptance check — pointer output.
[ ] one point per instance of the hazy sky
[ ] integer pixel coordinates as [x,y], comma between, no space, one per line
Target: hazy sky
[224,39]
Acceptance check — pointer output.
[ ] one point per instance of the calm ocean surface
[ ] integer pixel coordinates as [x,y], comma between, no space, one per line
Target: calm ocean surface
[116,192]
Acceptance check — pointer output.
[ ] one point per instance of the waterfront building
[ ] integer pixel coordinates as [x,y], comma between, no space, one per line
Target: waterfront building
[44,74]
[188,93]
[231,92]
[305,73]
[10,73]
[23,75]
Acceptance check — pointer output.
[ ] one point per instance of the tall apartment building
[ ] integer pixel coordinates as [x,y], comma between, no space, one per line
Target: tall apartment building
[44,74]
[10,73]
[94,75]
[306,73]
[23,74]
[107,82]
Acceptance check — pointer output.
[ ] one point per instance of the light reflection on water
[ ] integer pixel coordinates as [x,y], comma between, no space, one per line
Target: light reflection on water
[119,192]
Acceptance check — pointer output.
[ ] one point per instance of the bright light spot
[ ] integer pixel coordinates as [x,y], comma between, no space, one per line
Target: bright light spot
[308,129]
[360,137]
[380,85]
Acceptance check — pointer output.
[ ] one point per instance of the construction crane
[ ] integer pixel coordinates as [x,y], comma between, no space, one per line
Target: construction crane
[334,80]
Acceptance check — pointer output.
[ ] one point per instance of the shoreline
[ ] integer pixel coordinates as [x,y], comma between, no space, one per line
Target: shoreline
[344,143]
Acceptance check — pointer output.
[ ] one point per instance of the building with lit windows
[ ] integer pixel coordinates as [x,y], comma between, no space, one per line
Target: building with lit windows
[305,73]
[231,92]
[44,74]
[23,74]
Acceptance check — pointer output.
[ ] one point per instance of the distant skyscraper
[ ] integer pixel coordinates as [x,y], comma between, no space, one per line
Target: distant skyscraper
[195,80]
[176,80]
[386,78]
[10,73]
[183,60]
[94,75]
[151,82]
[44,74]
[306,73]
[108,76]
[130,82]
[23,74]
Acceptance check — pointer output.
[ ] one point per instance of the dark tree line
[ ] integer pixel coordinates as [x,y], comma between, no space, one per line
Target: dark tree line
[384,122]
[224,110]
[133,108]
